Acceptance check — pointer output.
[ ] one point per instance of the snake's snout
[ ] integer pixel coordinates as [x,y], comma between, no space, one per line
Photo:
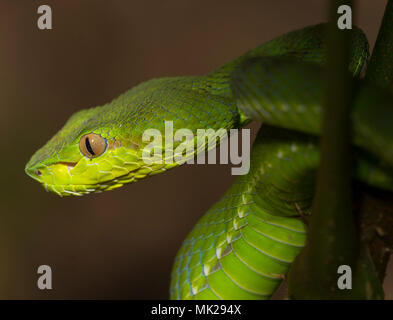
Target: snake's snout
[34,173]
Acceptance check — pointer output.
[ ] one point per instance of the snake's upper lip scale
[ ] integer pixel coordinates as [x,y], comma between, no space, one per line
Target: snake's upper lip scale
[35,173]
[70,165]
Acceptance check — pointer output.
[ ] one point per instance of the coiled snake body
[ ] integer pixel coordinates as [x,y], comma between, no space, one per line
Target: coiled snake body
[244,245]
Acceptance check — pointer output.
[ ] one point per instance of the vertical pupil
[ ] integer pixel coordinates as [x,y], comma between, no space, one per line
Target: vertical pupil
[88,146]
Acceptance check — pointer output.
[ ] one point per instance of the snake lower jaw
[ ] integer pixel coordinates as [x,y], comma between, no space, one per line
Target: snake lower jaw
[65,178]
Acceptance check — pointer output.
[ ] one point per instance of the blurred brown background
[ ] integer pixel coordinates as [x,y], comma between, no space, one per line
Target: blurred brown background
[118,244]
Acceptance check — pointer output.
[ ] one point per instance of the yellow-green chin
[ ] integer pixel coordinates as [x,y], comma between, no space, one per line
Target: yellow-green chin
[86,176]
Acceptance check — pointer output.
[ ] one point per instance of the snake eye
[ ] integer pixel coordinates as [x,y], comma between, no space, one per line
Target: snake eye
[92,145]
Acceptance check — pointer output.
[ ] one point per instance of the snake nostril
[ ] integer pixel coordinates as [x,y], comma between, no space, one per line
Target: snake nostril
[38,173]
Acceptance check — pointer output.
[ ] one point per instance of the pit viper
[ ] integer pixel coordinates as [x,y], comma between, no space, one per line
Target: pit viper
[245,244]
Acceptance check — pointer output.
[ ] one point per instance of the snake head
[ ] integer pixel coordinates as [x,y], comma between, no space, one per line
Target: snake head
[86,156]
[102,148]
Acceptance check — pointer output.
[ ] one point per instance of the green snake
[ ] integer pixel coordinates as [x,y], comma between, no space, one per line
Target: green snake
[244,245]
